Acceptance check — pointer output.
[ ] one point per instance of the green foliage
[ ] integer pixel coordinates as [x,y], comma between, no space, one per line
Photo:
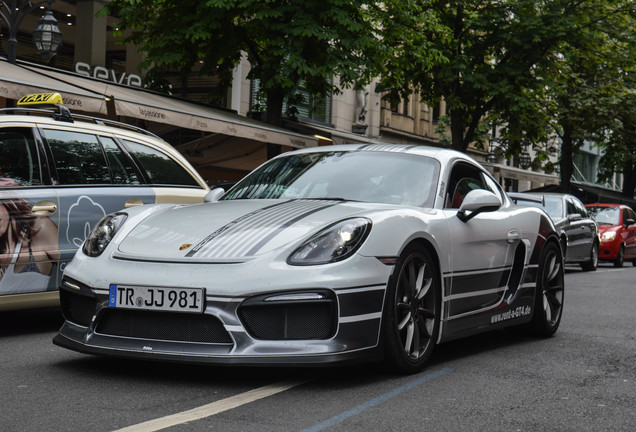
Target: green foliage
[286,41]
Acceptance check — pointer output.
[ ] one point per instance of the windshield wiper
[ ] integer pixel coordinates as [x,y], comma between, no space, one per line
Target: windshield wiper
[330,199]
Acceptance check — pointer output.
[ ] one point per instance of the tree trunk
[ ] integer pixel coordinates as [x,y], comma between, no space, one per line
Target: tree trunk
[629,178]
[567,163]
[274,113]
[457,127]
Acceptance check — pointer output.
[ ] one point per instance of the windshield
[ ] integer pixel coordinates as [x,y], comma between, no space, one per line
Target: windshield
[605,215]
[380,177]
[553,206]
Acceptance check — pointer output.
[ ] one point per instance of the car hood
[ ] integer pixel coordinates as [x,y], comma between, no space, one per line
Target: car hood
[230,231]
[602,228]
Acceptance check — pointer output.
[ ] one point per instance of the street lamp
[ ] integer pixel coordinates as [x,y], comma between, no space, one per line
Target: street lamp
[524,159]
[491,157]
[46,36]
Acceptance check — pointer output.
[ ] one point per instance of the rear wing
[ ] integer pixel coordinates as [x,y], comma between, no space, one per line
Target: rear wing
[517,196]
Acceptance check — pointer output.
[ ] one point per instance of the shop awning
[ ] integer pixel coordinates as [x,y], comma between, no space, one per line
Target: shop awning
[17,81]
[98,96]
[499,170]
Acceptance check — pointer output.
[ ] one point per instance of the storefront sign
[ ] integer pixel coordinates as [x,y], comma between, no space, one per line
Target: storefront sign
[107,74]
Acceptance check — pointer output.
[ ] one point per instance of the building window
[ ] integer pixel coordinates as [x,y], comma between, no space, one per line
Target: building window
[309,106]
[437,110]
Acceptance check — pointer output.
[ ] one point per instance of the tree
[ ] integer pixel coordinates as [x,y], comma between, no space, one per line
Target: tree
[503,59]
[493,49]
[288,42]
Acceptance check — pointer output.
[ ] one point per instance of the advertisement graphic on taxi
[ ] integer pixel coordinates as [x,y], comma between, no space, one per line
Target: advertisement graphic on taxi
[60,174]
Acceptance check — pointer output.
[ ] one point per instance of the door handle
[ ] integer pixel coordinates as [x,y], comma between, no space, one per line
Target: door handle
[44,208]
[513,236]
[133,203]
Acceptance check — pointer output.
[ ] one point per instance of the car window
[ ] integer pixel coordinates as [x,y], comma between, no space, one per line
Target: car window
[580,208]
[389,178]
[625,216]
[19,163]
[79,158]
[160,168]
[121,165]
[632,215]
[605,215]
[463,179]
[570,207]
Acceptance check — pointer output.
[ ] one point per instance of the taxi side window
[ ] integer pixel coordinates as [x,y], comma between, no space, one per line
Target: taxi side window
[160,168]
[79,158]
[121,165]
[19,163]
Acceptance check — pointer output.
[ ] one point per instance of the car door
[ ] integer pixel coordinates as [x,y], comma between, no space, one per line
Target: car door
[482,248]
[94,177]
[629,222]
[29,215]
[581,230]
[573,230]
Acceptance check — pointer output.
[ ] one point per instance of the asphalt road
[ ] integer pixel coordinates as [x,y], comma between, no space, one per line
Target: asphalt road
[583,379]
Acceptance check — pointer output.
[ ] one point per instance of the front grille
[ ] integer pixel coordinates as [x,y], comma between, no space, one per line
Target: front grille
[166,326]
[76,308]
[290,321]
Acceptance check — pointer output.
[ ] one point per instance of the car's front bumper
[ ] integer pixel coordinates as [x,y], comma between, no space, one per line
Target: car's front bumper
[348,327]
[608,249]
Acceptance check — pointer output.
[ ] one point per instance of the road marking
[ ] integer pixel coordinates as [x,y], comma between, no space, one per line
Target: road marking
[376,401]
[212,408]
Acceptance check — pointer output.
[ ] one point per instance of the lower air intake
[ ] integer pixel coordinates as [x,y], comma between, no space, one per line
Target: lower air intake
[166,326]
[290,321]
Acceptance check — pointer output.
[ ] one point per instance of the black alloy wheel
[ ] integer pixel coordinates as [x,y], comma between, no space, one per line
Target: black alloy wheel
[548,305]
[412,312]
[592,263]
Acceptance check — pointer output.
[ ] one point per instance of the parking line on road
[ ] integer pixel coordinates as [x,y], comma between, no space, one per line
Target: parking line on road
[212,408]
[376,401]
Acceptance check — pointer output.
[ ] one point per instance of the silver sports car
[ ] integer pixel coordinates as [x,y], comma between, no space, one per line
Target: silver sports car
[328,255]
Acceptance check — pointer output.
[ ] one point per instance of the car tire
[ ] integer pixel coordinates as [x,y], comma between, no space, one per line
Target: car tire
[592,263]
[412,311]
[620,257]
[548,304]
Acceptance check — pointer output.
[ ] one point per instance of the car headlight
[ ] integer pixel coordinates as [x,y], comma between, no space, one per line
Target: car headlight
[334,243]
[102,234]
[608,236]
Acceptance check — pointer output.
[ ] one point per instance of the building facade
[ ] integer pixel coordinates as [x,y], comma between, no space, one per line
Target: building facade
[226,140]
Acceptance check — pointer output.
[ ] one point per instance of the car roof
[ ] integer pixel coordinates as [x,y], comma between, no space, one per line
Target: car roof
[605,205]
[93,125]
[442,154]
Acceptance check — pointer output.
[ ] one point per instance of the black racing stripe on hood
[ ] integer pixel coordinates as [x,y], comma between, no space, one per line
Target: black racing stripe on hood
[226,227]
[241,247]
[287,224]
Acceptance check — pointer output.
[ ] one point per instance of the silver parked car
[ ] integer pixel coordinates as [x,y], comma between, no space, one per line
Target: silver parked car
[333,254]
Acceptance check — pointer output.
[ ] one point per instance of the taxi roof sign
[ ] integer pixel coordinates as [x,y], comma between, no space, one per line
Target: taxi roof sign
[41,99]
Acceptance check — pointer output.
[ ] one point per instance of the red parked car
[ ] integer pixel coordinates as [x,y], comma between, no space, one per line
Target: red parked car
[617,229]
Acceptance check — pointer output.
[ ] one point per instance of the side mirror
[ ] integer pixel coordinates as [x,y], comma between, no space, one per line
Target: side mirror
[630,222]
[477,201]
[574,217]
[214,195]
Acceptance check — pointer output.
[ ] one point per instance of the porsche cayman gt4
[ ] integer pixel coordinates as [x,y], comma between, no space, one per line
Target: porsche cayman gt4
[326,255]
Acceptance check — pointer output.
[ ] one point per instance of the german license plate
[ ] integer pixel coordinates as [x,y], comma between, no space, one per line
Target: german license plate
[156,298]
